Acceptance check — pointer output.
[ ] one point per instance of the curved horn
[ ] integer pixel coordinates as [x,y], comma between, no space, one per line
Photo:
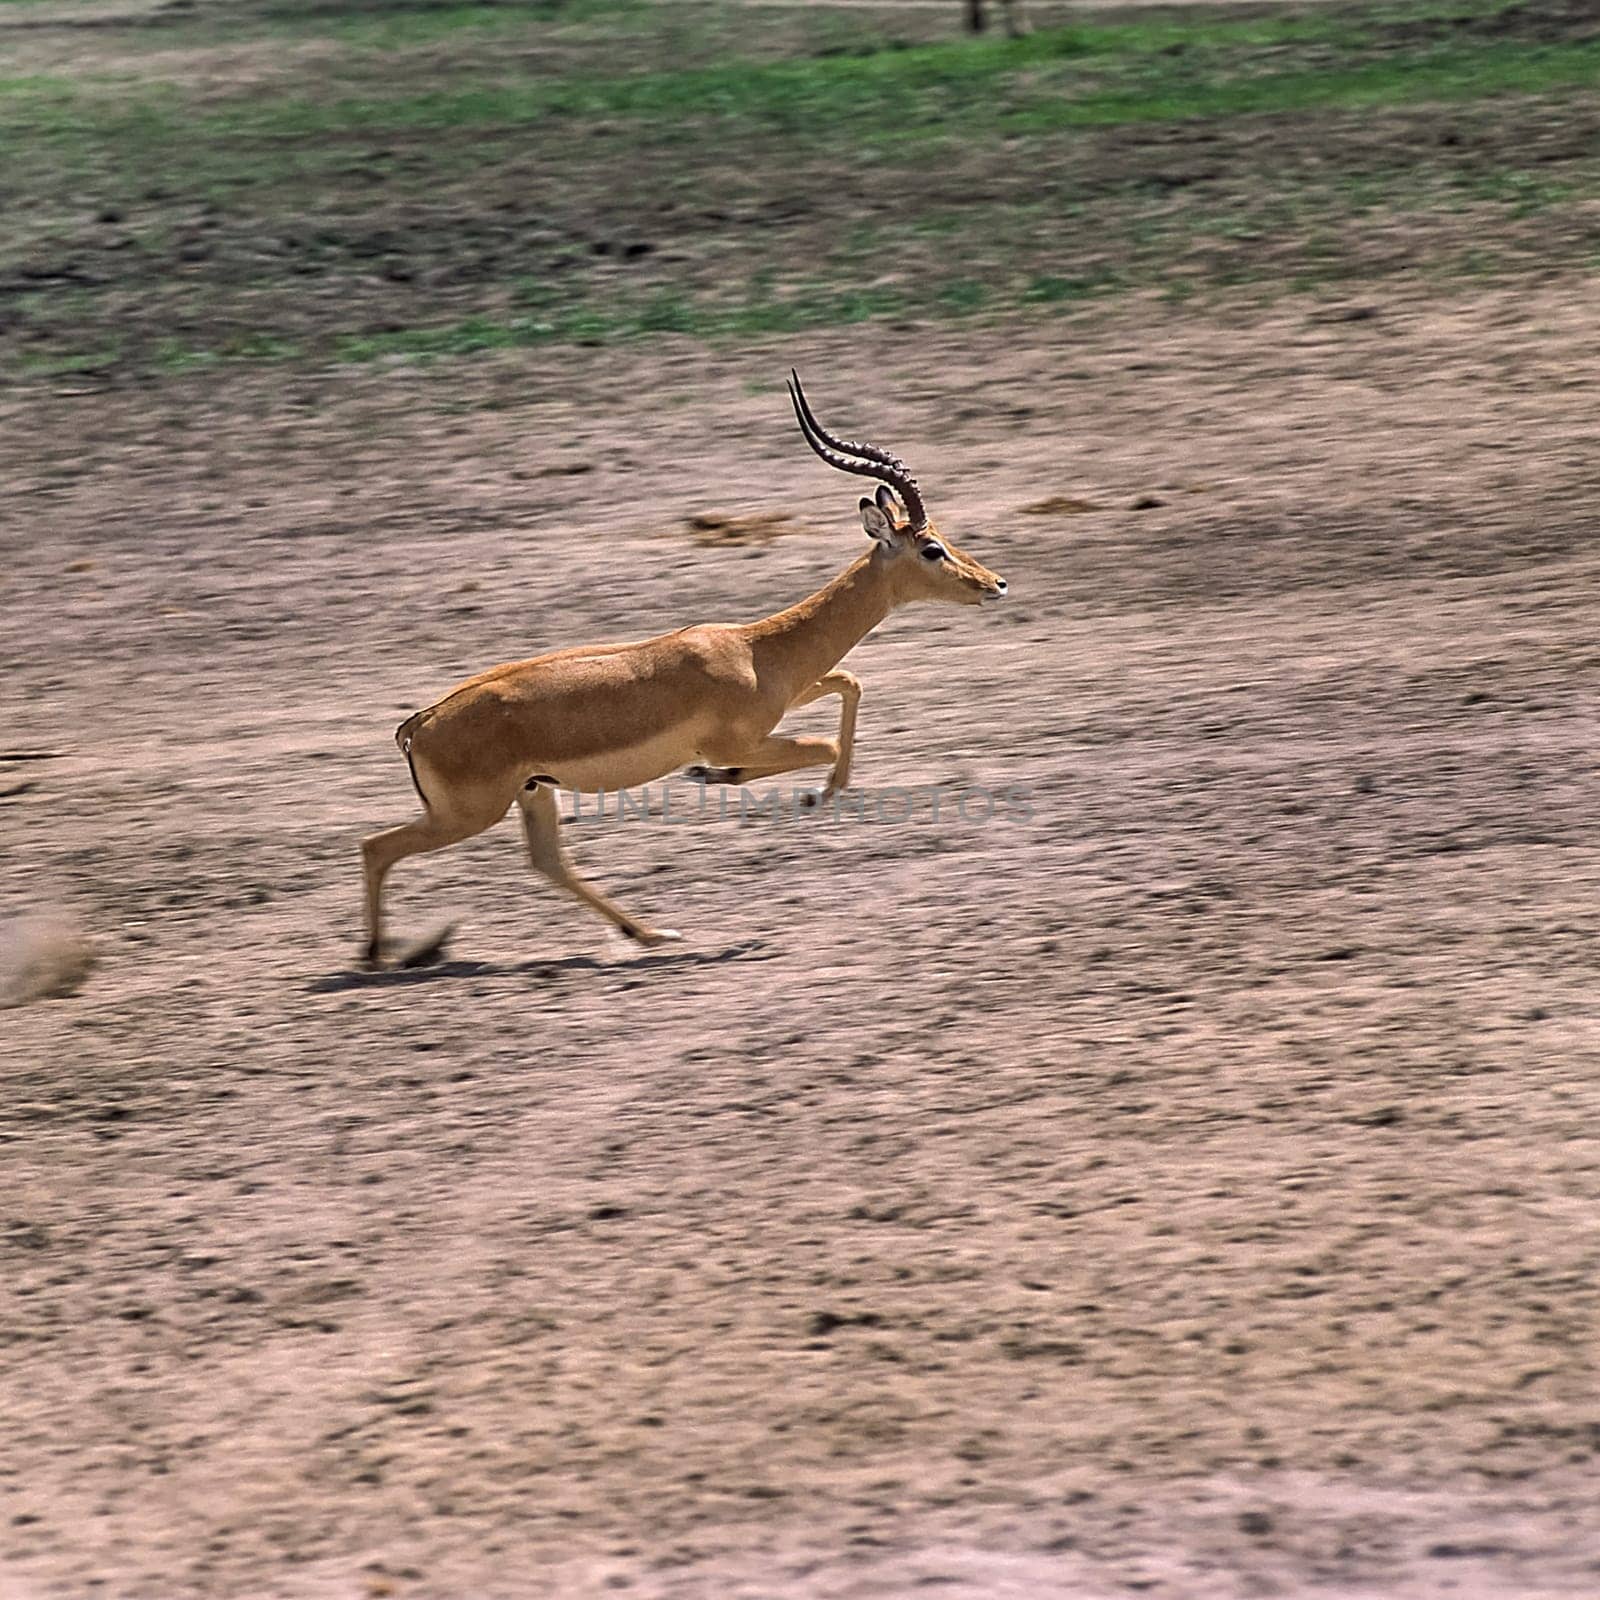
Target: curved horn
[873,463]
[867,452]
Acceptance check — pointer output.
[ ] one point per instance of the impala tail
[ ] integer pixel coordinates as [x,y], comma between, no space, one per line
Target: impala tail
[403,735]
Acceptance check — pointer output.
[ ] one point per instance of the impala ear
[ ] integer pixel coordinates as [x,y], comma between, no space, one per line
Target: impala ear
[889,504]
[876,523]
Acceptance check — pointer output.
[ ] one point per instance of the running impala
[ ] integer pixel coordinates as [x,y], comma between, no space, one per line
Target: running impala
[605,717]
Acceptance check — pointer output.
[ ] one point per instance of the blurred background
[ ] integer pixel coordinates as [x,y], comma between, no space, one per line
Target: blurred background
[196,183]
[1182,1185]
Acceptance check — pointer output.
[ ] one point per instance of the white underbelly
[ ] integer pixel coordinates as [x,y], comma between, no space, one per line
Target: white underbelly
[629,767]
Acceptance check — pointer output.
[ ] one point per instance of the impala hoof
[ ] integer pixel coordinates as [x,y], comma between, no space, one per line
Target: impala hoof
[651,937]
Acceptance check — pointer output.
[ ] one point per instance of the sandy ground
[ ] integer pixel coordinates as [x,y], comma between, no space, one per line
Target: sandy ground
[1186,1190]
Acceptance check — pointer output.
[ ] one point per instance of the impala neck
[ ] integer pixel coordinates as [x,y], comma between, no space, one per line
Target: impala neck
[813,637]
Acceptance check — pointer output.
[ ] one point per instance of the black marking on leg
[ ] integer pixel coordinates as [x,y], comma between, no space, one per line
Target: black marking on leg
[539,778]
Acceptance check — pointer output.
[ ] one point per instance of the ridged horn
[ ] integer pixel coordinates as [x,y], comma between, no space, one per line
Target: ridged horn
[870,462]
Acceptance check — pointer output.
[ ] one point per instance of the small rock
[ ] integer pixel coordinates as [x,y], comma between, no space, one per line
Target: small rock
[1383,1117]
[826,1322]
[1345,314]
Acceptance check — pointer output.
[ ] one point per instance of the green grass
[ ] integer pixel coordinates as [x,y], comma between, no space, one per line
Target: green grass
[624,317]
[57,364]
[37,88]
[1441,76]
[1063,78]
[916,93]
[629,317]
[400,29]
[416,113]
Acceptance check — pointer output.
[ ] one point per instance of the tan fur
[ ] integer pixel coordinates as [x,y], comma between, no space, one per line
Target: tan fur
[614,716]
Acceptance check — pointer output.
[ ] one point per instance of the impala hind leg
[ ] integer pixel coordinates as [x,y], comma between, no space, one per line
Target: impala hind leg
[381,851]
[541,827]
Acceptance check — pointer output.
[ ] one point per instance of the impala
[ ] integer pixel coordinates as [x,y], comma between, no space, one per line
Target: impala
[605,717]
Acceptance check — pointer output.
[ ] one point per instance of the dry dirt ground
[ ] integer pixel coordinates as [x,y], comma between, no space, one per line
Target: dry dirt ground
[1187,1190]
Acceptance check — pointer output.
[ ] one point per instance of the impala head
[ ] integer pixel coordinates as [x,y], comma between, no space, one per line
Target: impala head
[927,565]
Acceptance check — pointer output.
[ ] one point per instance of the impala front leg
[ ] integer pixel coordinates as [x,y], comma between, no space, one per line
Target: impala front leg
[848,688]
[776,754]
[768,758]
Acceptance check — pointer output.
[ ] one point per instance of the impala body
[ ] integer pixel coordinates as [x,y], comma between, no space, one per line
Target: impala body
[613,716]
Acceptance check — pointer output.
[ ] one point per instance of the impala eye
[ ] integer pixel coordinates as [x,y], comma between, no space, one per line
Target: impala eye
[933,552]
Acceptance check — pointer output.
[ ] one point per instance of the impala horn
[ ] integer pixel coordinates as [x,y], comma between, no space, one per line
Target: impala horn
[871,462]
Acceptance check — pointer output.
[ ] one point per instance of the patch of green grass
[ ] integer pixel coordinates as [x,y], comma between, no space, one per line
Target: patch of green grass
[962,295]
[1049,80]
[59,363]
[39,86]
[849,91]
[1439,75]
[1048,288]
[628,317]
[1523,193]
[1081,76]
[565,154]
[1170,69]
[401,29]
[838,109]
[177,355]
